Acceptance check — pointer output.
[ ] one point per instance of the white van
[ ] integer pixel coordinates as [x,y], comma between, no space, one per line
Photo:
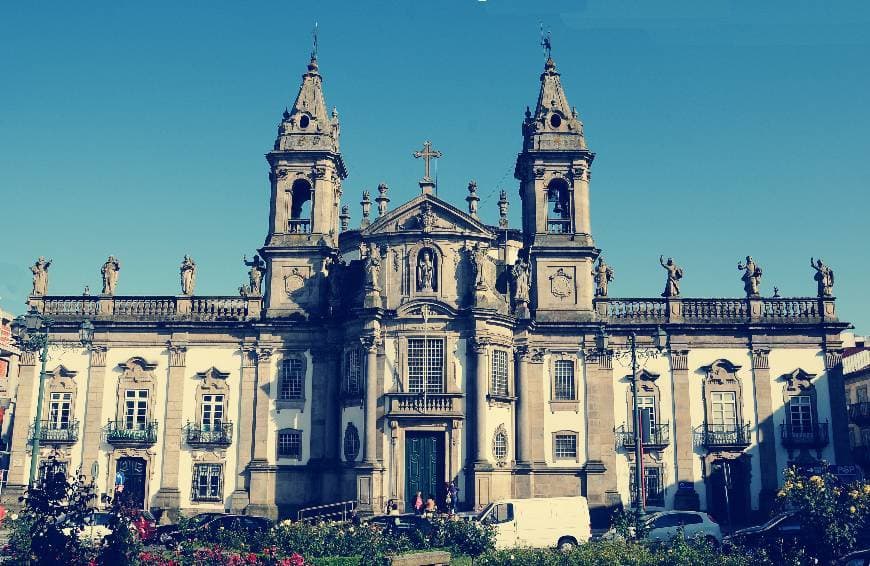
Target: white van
[539,522]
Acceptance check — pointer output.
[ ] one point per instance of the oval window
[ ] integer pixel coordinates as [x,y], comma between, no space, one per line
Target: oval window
[555,120]
[303,122]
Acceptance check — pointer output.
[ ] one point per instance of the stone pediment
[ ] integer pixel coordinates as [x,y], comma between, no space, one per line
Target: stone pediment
[428,215]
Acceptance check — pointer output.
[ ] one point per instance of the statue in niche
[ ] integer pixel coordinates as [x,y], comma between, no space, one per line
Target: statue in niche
[372,268]
[425,271]
[824,277]
[751,276]
[40,276]
[255,275]
[335,266]
[110,271]
[188,275]
[477,256]
[521,273]
[603,275]
[675,273]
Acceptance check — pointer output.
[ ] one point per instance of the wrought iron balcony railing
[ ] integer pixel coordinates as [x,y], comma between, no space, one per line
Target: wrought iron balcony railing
[804,436]
[859,413]
[51,432]
[655,436]
[123,433]
[723,436]
[200,434]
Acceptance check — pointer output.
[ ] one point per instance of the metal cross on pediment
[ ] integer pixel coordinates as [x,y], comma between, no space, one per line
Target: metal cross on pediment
[427,154]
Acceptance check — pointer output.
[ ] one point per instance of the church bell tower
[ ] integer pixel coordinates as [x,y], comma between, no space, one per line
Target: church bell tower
[306,171]
[553,170]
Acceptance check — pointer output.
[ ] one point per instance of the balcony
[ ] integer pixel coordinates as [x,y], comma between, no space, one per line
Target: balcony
[57,433]
[299,226]
[219,434]
[804,436]
[723,436]
[657,437]
[121,433]
[859,413]
[428,405]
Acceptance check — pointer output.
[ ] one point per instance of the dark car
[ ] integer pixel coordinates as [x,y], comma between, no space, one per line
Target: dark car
[784,527]
[163,533]
[857,558]
[407,524]
[208,528]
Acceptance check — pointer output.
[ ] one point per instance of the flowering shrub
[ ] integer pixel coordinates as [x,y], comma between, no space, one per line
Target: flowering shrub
[219,557]
[832,513]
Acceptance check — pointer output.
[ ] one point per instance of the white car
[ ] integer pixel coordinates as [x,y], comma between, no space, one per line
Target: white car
[665,525]
[541,522]
[95,529]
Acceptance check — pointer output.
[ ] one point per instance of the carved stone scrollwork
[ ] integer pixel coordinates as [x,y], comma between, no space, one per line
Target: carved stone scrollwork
[249,355]
[98,355]
[539,172]
[281,173]
[264,355]
[522,353]
[177,355]
[798,381]
[537,355]
[760,359]
[370,343]
[27,358]
[479,344]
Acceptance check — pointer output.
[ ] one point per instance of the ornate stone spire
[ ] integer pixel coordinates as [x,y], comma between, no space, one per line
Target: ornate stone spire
[308,125]
[554,124]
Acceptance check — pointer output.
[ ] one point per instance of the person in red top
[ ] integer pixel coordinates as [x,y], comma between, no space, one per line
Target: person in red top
[418,503]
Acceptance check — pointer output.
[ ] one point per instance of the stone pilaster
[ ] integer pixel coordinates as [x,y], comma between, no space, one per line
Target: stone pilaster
[480,347]
[370,345]
[245,437]
[602,495]
[766,428]
[92,433]
[28,376]
[261,487]
[169,496]
[535,404]
[523,424]
[839,416]
[686,497]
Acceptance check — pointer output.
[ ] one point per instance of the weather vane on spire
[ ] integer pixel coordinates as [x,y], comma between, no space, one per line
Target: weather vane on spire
[545,41]
[314,42]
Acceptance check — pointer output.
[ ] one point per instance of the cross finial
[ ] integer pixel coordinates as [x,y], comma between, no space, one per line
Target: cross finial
[427,154]
[545,41]
[314,42]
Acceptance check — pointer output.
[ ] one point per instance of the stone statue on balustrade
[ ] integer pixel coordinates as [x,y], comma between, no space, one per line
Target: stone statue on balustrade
[603,275]
[372,268]
[751,276]
[425,272]
[675,273]
[40,276]
[478,258]
[521,273]
[188,275]
[255,275]
[110,271]
[824,277]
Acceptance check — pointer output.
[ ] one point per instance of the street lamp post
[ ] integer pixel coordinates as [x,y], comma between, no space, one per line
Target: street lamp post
[31,333]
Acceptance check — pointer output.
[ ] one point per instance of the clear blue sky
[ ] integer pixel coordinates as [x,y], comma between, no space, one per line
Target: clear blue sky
[722,129]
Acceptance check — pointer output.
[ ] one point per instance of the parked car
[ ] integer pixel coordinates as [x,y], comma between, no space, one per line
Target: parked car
[561,522]
[406,524]
[785,526]
[857,558]
[163,533]
[96,526]
[246,523]
[664,525]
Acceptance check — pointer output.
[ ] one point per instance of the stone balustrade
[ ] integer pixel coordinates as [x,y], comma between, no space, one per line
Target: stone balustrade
[143,308]
[808,310]
[431,404]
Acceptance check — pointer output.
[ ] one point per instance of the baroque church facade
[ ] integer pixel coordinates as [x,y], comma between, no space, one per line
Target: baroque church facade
[424,346]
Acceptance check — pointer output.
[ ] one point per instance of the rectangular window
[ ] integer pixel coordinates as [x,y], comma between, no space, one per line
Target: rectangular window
[499,373]
[59,410]
[565,447]
[564,381]
[724,408]
[290,444]
[353,372]
[861,394]
[801,414]
[647,407]
[207,482]
[136,409]
[212,412]
[653,486]
[292,380]
[50,468]
[425,365]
